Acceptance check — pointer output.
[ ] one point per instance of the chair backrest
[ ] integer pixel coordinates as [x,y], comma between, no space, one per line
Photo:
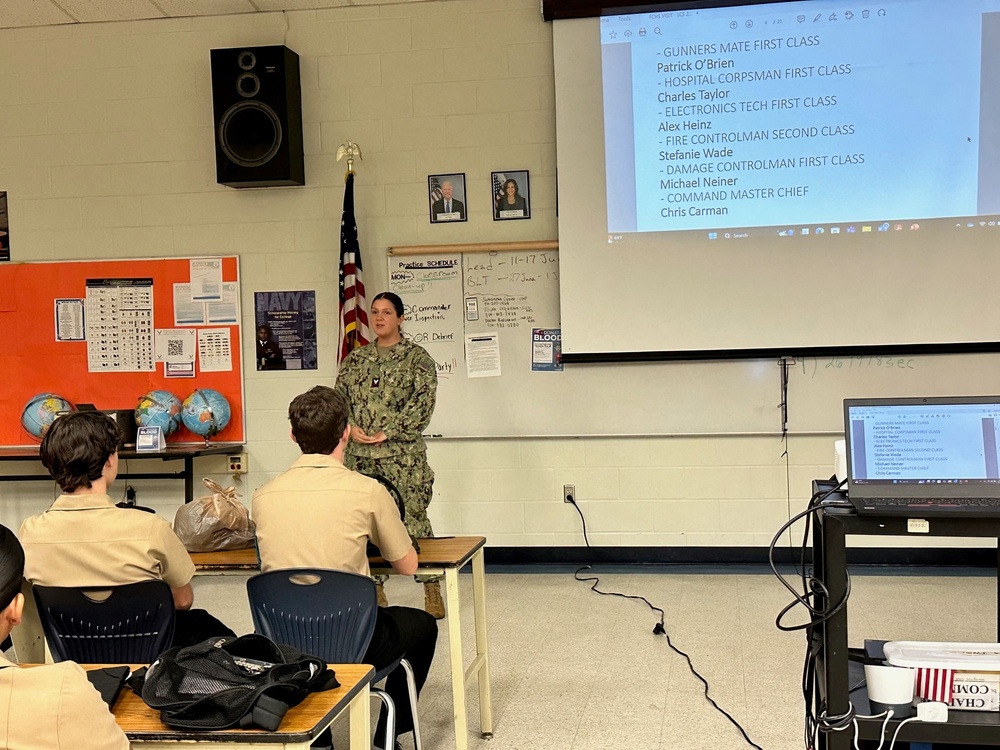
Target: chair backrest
[394,493]
[133,625]
[327,613]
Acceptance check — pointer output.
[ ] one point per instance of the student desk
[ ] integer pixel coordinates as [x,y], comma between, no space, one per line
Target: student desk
[228,562]
[185,453]
[302,724]
[442,555]
[447,556]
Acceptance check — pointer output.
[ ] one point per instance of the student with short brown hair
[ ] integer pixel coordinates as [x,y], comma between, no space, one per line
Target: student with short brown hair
[320,514]
[84,539]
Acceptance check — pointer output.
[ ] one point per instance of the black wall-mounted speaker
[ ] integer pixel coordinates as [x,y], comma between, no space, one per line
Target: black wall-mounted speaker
[257,100]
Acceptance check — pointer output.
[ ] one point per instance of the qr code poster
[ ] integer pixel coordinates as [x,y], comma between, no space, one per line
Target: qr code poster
[175,345]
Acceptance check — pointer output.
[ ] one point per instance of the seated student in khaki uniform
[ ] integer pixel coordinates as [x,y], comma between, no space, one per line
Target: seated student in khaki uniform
[83,539]
[319,514]
[52,706]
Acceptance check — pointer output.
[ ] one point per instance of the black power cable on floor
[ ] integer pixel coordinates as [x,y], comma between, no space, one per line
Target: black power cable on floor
[658,629]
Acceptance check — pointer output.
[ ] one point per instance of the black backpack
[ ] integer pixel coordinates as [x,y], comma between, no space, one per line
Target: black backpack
[227,682]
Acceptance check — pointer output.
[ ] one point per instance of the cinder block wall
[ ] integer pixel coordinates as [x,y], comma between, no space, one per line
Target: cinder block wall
[106,149]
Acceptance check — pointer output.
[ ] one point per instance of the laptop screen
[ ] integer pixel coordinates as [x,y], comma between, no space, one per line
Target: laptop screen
[923,447]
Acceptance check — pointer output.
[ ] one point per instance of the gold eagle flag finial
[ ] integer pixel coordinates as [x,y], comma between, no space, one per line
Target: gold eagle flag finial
[350,149]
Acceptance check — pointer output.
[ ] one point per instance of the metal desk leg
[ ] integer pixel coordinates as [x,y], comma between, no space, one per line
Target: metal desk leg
[482,663]
[188,479]
[457,664]
[360,720]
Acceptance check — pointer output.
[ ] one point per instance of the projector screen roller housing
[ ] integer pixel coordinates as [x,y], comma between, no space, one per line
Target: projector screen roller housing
[782,178]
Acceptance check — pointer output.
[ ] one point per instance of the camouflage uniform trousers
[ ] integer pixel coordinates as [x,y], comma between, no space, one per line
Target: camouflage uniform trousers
[414,478]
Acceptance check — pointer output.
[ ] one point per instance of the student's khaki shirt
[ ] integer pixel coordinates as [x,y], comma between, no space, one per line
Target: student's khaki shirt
[319,514]
[53,707]
[84,540]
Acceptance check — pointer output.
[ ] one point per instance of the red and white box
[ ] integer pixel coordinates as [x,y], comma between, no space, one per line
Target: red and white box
[966,676]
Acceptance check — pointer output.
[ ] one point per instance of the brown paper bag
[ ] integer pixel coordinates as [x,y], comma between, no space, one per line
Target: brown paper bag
[215,522]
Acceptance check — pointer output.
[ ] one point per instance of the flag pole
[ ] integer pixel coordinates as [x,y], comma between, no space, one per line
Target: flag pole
[353,314]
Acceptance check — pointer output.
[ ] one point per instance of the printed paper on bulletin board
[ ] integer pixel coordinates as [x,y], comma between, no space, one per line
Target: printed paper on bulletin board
[33,361]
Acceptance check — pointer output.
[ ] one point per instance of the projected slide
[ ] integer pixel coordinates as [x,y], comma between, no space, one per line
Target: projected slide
[802,116]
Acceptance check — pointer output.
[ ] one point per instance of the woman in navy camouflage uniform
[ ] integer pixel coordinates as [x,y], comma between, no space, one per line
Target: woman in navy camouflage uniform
[391,386]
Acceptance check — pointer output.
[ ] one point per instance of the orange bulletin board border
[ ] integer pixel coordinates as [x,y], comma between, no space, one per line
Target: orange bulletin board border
[33,362]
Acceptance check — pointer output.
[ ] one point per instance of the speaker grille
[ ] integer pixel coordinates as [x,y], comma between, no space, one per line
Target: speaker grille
[250,133]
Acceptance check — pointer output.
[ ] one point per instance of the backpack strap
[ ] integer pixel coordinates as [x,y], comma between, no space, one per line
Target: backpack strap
[266,713]
[291,682]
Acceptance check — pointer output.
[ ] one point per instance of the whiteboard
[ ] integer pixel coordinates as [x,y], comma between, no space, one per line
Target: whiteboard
[449,296]
[817,386]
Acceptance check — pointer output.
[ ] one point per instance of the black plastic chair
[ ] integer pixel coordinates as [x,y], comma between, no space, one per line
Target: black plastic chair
[397,497]
[133,625]
[329,614]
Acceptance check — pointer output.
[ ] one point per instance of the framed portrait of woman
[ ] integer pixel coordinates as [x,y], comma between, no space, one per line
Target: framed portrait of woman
[511,195]
[446,193]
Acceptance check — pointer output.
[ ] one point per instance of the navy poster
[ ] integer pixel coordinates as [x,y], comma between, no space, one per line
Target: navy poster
[285,330]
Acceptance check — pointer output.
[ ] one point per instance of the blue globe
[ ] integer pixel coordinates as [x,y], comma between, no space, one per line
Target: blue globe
[205,412]
[159,409]
[41,411]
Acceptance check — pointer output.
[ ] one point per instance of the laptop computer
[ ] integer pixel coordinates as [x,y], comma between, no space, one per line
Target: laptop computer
[919,457]
[109,682]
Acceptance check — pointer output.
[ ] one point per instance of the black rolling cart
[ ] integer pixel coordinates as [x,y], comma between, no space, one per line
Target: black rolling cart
[833,684]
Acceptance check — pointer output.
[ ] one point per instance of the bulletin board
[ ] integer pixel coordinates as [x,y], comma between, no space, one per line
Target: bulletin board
[34,361]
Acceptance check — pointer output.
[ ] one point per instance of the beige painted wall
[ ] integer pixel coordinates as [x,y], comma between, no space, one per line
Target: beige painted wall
[106,149]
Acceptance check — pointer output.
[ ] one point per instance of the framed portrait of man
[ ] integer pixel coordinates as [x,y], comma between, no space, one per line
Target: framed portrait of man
[511,195]
[446,193]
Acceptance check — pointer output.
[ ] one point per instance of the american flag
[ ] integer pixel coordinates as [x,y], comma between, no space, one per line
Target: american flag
[435,188]
[353,308]
[498,181]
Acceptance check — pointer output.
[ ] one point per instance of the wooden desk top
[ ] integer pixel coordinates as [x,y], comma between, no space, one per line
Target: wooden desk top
[302,723]
[230,559]
[440,552]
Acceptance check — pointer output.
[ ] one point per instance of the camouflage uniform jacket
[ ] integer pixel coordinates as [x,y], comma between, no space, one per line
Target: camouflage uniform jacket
[392,392]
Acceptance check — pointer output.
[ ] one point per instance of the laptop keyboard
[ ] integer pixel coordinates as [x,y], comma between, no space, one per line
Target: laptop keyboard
[950,505]
[988,502]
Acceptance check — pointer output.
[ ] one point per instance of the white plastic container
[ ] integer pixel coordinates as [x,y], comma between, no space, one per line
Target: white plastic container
[966,676]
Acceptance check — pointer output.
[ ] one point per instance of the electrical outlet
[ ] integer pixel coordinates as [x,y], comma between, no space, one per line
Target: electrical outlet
[569,493]
[238,464]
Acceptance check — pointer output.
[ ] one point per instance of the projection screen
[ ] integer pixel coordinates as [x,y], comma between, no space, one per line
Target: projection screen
[779,178]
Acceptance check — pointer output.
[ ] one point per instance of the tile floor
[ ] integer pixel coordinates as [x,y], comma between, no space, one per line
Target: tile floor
[572,670]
